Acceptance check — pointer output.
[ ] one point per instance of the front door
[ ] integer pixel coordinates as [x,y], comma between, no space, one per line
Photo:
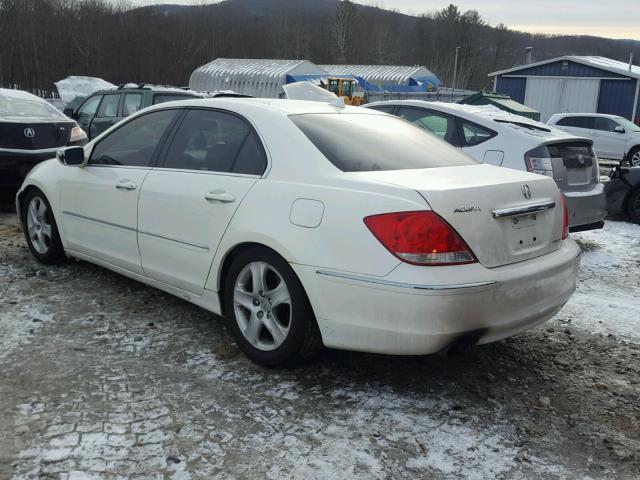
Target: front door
[609,142]
[99,202]
[106,116]
[185,205]
[87,112]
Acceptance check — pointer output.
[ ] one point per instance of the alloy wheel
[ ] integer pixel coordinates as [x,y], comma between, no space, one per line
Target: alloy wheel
[38,225]
[635,159]
[262,305]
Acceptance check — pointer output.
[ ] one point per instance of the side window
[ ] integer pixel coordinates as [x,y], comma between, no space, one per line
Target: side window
[441,125]
[132,103]
[89,107]
[604,124]
[109,106]
[214,141]
[474,134]
[576,122]
[133,144]
[384,108]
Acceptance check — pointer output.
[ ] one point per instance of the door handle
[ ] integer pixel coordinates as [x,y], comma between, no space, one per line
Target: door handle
[126,185]
[220,196]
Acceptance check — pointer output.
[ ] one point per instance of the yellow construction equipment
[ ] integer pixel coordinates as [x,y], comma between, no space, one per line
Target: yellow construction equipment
[344,88]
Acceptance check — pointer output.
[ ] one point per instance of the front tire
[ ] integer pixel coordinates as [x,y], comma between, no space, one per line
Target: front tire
[271,318]
[633,206]
[634,157]
[40,228]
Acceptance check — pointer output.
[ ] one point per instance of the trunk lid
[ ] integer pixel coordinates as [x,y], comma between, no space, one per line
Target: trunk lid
[489,208]
[34,135]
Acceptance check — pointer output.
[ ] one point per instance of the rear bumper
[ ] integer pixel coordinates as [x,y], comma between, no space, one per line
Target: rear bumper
[586,208]
[15,164]
[405,313]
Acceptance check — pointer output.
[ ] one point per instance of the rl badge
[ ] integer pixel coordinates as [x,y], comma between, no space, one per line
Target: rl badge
[526,191]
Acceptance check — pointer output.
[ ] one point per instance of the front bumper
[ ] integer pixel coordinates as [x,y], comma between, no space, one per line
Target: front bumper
[404,315]
[586,208]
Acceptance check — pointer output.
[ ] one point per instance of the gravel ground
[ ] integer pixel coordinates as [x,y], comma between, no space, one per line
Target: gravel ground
[102,377]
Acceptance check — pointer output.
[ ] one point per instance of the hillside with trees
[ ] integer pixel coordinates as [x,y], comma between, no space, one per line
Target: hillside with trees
[46,40]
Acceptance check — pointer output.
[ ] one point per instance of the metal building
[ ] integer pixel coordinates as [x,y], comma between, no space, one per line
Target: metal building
[259,78]
[574,84]
[387,75]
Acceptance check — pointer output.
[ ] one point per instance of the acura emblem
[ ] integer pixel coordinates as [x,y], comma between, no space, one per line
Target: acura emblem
[526,191]
[29,132]
[581,159]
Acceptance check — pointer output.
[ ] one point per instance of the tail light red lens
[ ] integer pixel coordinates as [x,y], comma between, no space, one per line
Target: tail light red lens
[420,238]
[565,217]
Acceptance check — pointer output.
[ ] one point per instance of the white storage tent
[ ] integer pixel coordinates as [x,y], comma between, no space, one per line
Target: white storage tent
[385,74]
[257,77]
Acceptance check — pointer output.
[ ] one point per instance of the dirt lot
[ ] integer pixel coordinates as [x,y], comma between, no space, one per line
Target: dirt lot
[102,377]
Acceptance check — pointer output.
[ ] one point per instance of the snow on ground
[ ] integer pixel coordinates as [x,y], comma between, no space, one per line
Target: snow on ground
[606,301]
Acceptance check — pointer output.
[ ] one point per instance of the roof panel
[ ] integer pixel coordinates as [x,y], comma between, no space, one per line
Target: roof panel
[603,63]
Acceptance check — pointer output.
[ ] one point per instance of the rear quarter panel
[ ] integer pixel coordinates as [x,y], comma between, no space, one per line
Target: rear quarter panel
[340,242]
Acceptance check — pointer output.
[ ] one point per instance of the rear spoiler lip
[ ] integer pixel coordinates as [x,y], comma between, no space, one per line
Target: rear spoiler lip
[556,140]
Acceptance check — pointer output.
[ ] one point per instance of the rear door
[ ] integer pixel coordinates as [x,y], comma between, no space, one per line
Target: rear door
[100,200]
[107,114]
[186,203]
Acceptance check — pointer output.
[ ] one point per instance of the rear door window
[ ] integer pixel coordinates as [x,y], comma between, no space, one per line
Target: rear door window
[167,97]
[132,103]
[440,124]
[133,144]
[109,106]
[576,122]
[365,142]
[384,108]
[215,141]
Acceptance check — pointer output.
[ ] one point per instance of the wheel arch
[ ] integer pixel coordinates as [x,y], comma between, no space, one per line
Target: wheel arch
[230,255]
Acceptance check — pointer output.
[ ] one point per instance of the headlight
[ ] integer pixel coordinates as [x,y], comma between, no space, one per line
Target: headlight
[77,134]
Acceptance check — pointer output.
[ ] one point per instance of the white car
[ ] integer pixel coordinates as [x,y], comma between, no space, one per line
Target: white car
[496,137]
[308,224]
[614,137]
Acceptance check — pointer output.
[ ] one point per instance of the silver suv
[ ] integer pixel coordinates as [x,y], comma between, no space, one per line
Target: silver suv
[614,137]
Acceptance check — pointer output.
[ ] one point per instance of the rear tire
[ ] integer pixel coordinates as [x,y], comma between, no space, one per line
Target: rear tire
[40,228]
[633,206]
[270,315]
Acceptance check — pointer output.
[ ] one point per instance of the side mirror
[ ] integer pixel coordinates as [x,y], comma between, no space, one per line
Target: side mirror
[68,112]
[72,157]
[619,129]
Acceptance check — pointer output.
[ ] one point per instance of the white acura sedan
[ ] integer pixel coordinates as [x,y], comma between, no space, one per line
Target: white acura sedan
[307,224]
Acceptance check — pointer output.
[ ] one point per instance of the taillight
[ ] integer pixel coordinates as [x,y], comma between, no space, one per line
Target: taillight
[539,161]
[77,134]
[420,238]
[565,217]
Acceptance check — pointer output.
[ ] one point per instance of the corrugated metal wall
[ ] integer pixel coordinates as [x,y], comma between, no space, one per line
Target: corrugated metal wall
[514,87]
[616,97]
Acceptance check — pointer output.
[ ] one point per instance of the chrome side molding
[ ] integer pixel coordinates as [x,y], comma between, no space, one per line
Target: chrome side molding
[523,210]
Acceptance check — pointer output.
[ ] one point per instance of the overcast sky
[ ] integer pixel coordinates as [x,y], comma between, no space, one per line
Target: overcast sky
[610,18]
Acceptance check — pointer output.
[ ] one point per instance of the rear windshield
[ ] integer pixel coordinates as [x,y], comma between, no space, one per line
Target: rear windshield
[364,143]
[169,97]
[28,108]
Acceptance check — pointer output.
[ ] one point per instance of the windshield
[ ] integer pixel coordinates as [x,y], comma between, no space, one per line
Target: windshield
[365,142]
[627,124]
[23,107]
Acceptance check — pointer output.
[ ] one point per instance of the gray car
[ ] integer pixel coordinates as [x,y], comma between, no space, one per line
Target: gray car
[500,138]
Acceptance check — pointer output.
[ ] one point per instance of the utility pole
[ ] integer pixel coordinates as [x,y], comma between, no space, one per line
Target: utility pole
[455,72]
